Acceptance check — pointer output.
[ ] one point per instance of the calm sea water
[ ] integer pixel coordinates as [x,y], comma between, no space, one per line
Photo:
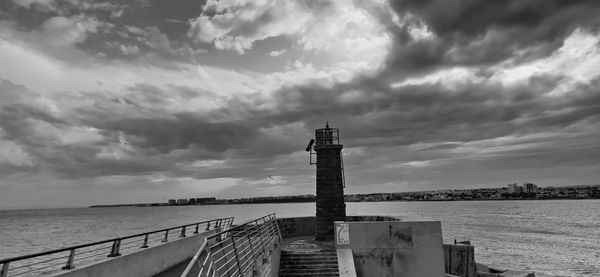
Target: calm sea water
[552,238]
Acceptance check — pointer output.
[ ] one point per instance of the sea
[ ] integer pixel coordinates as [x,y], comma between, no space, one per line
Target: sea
[549,237]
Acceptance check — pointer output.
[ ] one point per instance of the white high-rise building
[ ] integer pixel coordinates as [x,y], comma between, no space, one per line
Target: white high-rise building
[512,188]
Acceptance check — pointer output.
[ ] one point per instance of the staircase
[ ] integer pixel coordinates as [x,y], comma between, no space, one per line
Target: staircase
[317,263]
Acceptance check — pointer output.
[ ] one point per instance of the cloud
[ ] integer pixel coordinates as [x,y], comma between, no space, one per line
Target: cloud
[157,39]
[43,5]
[443,94]
[340,31]
[13,155]
[479,34]
[129,49]
[277,53]
[237,25]
[66,7]
[61,31]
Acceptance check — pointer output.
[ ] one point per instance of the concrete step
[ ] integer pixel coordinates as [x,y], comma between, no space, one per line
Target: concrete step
[308,274]
[318,263]
[308,261]
[305,263]
[309,256]
[322,254]
[309,271]
[309,266]
[311,251]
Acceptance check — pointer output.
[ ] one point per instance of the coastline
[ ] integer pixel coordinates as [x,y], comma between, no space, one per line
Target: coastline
[312,201]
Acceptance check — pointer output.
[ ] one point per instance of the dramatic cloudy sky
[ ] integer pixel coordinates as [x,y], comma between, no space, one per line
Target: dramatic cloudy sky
[131,101]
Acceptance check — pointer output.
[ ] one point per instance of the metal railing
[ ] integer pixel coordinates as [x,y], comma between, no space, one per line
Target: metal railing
[53,261]
[236,251]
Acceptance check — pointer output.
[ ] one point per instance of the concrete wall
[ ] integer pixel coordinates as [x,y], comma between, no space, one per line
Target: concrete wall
[305,226]
[459,260]
[271,267]
[346,263]
[353,218]
[393,248]
[147,262]
[297,226]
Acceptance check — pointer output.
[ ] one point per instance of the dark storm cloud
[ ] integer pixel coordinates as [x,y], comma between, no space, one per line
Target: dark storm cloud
[180,131]
[479,33]
[432,112]
[152,140]
[18,107]
[25,119]
[165,26]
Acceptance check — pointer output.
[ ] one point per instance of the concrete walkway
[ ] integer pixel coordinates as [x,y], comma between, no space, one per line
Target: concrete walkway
[306,244]
[176,271]
[304,256]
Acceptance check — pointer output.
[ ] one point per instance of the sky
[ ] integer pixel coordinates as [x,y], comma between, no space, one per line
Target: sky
[109,101]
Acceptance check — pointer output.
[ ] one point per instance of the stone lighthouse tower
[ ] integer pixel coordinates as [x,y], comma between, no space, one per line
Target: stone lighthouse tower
[330,180]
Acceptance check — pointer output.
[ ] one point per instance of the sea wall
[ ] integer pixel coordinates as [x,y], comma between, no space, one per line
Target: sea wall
[459,260]
[297,226]
[305,226]
[393,248]
[147,262]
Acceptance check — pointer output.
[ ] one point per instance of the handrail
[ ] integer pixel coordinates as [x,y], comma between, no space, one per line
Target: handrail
[115,248]
[241,225]
[234,251]
[194,259]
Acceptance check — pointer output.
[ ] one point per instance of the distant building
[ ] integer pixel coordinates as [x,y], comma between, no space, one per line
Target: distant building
[205,200]
[530,188]
[519,190]
[515,189]
[172,202]
[182,201]
[512,188]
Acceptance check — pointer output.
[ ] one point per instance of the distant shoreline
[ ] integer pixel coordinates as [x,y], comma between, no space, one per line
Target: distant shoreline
[283,202]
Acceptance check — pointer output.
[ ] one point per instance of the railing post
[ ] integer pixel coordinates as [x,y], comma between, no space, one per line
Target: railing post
[69,264]
[145,245]
[197,226]
[166,236]
[237,259]
[250,242]
[207,226]
[4,270]
[254,271]
[182,235]
[277,226]
[114,251]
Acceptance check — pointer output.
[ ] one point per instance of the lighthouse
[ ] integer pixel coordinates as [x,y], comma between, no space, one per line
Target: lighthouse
[330,180]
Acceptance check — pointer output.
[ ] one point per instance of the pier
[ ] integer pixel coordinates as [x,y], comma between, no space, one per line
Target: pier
[330,243]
